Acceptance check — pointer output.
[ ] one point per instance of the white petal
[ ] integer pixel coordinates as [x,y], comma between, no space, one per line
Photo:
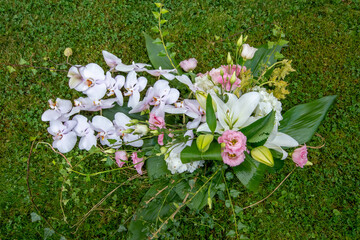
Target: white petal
[173,96]
[284,140]
[96,92]
[244,107]
[55,127]
[131,138]
[63,105]
[134,99]
[120,81]
[67,143]
[101,123]
[94,71]
[50,115]
[131,80]
[186,80]
[87,141]
[168,76]
[174,110]
[110,59]
[121,120]
[142,81]
[119,97]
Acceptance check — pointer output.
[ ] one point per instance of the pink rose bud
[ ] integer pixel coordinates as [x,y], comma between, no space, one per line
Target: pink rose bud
[299,156]
[121,158]
[188,65]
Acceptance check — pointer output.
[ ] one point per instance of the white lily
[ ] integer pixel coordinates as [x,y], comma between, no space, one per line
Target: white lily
[106,130]
[120,121]
[134,86]
[235,113]
[64,138]
[277,140]
[83,129]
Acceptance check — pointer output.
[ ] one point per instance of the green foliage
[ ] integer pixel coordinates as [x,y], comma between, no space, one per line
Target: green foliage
[210,114]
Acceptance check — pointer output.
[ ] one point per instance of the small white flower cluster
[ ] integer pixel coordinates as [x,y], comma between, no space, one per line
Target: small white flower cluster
[267,103]
[175,165]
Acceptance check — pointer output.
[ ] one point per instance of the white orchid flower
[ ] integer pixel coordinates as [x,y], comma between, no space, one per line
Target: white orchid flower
[136,67]
[114,85]
[75,76]
[83,129]
[134,86]
[59,108]
[120,121]
[64,138]
[166,73]
[106,130]
[97,105]
[277,140]
[111,60]
[93,81]
[235,113]
[162,95]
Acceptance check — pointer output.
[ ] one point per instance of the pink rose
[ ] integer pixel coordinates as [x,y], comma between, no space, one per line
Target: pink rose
[299,156]
[156,122]
[121,158]
[235,145]
[138,162]
[188,65]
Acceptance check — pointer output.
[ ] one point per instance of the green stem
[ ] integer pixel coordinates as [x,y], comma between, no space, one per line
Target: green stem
[232,206]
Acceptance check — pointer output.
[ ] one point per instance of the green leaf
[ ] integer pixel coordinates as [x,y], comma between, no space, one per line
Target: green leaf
[48,233]
[165,33]
[155,29]
[278,55]
[260,129]
[162,21]
[162,53]
[283,42]
[210,114]
[234,193]
[109,162]
[157,41]
[170,45]
[10,69]
[156,167]
[110,112]
[159,5]
[250,172]
[158,61]
[163,11]
[231,233]
[23,61]
[156,15]
[302,121]
[191,154]
[263,56]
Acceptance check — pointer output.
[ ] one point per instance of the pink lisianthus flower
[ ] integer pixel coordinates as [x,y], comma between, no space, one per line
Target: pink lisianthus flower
[138,162]
[232,159]
[121,158]
[188,65]
[235,146]
[161,139]
[299,156]
[156,122]
[225,79]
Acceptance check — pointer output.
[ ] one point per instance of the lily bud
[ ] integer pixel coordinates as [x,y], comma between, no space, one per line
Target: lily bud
[141,129]
[240,41]
[262,154]
[248,52]
[201,98]
[229,59]
[233,78]
[203,142]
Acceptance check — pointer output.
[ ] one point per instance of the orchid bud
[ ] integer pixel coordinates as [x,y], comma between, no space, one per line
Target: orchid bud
[68,52]
[203,142]
[229,59]
[240,41]
[233,78]
[262,154]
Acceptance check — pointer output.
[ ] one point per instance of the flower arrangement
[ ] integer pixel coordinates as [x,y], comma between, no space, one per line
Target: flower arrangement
[229,119]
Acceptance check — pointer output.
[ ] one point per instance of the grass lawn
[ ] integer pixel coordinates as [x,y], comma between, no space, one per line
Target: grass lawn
[320,202]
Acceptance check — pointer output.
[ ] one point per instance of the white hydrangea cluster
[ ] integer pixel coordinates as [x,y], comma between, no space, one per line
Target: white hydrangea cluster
[175,165]
[267,103]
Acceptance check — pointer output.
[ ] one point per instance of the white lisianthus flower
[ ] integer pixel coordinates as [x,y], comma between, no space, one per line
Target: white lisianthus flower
[174,163]
[248,52]
[204,83]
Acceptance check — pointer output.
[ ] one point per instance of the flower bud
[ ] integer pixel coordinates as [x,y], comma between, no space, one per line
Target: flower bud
[201,98]
[154,132]
[134,121]
[262,154]
[221,72]
[229,59]
[141,129]
[233,78]
[240,41]
[129,130]
[68,52]
[203,142]
[248,52]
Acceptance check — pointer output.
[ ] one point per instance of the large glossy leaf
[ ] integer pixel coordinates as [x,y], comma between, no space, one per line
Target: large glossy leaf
[263,56]
[156,167]
[110,113]
[156,60]
[260,129]
[301,121]
[192,153]
[210,114]
[250,173]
